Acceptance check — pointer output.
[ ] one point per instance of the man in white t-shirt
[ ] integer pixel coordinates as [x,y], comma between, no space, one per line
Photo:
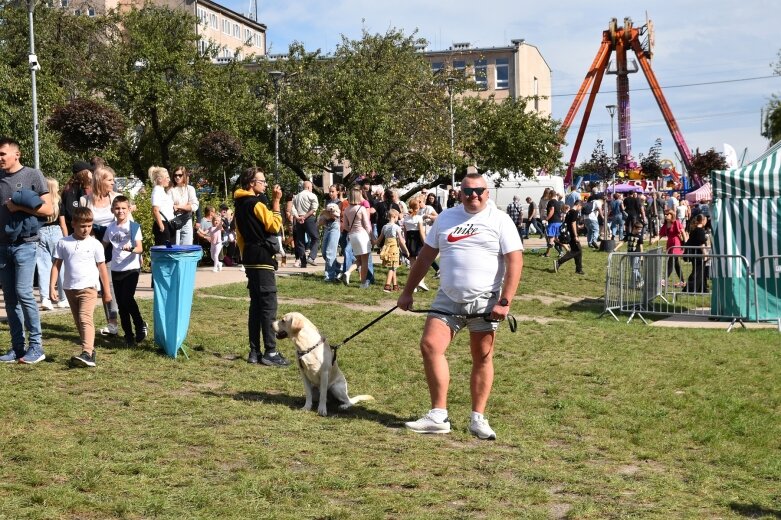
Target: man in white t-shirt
[481,258]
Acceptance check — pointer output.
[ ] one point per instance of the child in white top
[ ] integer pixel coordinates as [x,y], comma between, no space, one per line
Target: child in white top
[84,266]
[215,237]
[125,237]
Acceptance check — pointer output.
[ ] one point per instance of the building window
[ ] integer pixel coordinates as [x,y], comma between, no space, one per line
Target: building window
[90,11]
[459,68]
[502,73]
[213,20]
[247,35]
[77,12]
[64,3]
[481,74]
[202,46]
[436,67]
[226,26]
[236,31]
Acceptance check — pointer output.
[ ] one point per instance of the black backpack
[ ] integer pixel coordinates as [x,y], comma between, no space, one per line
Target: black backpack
[587,208]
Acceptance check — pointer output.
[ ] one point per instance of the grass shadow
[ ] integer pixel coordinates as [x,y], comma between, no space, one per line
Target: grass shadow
[297,402]
[754,510]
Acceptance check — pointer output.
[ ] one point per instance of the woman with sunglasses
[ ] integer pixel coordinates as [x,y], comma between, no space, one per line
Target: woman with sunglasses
[185,200]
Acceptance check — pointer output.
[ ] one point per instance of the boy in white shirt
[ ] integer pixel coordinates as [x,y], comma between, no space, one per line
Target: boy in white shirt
[125,237]
[83,259]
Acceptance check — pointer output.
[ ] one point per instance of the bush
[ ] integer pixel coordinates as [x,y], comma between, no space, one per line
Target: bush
[143,215]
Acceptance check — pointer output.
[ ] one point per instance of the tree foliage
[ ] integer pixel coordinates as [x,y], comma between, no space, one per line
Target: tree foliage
[87,126]
[600,163]
[772,124]
[651,163]
[373,104]
[704,163]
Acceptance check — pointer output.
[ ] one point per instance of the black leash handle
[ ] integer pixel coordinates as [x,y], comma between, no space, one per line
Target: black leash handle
[511,321]
[375,320]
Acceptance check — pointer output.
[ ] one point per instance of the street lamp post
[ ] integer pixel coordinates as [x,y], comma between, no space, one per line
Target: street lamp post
[609,245]
[276,77]
[452,134]
[34,66]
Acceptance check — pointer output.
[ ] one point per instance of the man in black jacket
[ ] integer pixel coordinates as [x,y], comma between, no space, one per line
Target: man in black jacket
[256,227]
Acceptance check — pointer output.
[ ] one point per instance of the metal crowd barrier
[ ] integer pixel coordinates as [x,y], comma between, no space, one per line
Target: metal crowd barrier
[661,283]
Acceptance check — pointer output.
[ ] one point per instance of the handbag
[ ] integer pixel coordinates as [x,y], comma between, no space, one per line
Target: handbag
[180,220]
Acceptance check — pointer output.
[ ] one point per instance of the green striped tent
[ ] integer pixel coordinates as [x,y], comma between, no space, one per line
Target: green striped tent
[747,224]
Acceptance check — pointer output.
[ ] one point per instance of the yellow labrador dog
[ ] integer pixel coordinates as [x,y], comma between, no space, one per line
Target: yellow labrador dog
[316,363]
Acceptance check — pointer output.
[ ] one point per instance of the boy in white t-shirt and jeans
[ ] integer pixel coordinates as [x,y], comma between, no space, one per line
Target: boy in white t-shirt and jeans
[124,235]
[83,259]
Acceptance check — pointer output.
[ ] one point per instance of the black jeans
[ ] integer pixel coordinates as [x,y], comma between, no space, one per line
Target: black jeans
[300,232]
[262,308]
[576,252]
[125,283]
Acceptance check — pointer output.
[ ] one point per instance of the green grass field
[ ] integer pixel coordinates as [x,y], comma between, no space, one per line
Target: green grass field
[595,419]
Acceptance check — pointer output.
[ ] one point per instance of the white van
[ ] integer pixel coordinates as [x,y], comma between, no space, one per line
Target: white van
[522,187]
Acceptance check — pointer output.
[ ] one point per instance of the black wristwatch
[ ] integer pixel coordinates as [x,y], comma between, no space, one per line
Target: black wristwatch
[503,302]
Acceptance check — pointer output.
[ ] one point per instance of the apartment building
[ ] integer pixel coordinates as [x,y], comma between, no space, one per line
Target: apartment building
[515,71]
[238,36]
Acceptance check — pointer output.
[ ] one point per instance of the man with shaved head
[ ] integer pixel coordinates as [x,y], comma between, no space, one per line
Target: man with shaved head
[305,225]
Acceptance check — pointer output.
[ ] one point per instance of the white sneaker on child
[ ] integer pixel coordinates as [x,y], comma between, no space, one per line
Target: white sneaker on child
[46,304]
[63,304]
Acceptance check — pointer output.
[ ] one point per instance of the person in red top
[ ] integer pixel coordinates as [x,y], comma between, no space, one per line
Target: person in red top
[672,230]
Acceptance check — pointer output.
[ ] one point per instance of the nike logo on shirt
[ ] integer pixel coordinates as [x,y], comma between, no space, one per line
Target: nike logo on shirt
[451,238]
[462,232]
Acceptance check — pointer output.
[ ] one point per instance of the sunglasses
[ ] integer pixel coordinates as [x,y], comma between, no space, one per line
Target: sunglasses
[477,191]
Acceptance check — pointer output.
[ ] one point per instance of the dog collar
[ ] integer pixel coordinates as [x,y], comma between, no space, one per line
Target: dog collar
[307,351]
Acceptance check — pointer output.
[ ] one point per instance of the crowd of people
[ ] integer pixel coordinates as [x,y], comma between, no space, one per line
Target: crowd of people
[631,218]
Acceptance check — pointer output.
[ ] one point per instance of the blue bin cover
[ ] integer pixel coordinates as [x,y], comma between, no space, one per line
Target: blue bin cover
[173,270]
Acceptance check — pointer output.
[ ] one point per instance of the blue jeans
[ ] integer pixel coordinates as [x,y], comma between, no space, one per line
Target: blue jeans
[617,228]
[184,237]
[593,231]
[17,268]
[48,236]
[330,247]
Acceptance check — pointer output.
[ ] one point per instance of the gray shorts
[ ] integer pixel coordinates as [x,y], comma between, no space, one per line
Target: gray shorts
[484,303]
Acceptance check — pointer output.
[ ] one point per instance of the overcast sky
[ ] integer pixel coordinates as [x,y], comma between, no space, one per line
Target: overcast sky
[719,45]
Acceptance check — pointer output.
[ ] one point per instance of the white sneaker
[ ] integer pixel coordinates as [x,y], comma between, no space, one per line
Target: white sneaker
[46,304]
[110,330]
[63,304]
[427,425]
[347,277]
[241,267]
[215,269]
[422,285]
[481,429]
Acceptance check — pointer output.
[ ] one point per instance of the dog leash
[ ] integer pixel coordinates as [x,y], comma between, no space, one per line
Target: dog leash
[511,321]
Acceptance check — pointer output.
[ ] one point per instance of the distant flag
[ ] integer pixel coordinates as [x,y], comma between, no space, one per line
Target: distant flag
[731,156]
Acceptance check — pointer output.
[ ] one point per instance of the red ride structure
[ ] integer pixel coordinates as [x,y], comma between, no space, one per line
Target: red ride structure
[620,40]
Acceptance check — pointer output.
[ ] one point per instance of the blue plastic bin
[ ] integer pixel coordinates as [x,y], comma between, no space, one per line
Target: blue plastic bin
[173,270]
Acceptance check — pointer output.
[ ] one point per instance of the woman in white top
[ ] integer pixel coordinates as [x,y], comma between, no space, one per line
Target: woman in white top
[415,234]
[185,200]
[358,225]
[99,201]
[162,205]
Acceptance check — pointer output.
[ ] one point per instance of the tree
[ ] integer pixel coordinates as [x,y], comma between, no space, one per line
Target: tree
[86,126]
[600,164]
[772,123]
[507,136]
[219,149]
[704,163]
[651,163]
